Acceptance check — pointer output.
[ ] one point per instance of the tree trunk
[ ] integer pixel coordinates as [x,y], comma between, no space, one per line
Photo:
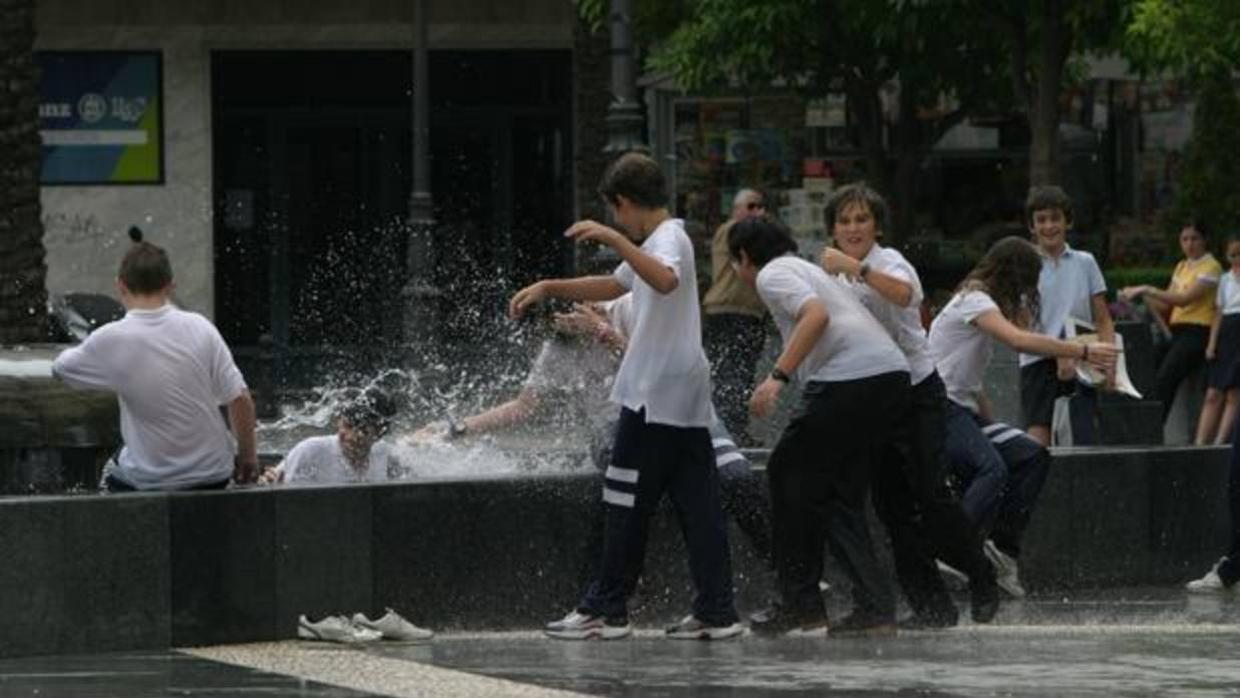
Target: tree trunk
[1056,42]
[906,146]
[867,118]
[23,272]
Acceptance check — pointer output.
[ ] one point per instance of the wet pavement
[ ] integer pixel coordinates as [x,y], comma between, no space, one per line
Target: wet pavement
[1128,643]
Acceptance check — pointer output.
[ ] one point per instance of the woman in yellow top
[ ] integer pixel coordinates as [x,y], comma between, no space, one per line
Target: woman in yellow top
[1191,300]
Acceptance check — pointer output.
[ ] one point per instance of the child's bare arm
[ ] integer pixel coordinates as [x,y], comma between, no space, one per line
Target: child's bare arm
[585,288]
[651,269]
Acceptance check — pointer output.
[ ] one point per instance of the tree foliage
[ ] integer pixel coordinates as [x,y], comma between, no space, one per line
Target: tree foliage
[1193,38]
[1207,187]
[940,69]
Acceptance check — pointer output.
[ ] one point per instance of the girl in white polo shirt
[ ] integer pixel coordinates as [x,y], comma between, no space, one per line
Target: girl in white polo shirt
[923,517]
[663,387]
[856,390]
[1223,354]
[1003,467]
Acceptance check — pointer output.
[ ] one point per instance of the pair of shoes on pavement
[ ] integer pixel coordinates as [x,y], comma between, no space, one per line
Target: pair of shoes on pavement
[360,629]
[1210,583]
[583,625]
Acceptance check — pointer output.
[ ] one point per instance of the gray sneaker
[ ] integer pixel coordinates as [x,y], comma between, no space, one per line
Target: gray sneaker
[586,626]
[334,629]
[953,579]
[1211,583]
[690,628]
[393,627]
[1007,573]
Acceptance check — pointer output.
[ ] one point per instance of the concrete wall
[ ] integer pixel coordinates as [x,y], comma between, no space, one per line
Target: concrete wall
[135,571]
[86,226]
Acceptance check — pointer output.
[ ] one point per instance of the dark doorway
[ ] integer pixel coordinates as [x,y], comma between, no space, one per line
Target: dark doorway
[312,160]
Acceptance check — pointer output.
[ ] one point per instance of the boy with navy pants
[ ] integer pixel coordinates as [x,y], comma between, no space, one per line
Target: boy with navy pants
[663,387]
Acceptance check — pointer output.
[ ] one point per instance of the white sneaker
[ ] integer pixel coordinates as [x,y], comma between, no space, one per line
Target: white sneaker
[953,579]
[690,628]
[335,629]
[393,627]
[583,626]
[1211,583]
[1007,573]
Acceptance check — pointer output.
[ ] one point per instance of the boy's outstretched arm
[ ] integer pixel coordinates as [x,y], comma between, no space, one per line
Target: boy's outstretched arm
[651,269]
[585,288]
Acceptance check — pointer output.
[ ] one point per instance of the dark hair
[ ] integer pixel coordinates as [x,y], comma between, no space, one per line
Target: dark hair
[1008,273]
[762,238]
[1199,224]
[1045,197]
[858,193]
[636,177]
[371,410]
[145,269]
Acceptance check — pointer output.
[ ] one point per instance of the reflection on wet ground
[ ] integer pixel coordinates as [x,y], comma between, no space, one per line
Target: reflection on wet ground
[1139,643]
[150,675]
[1114,643]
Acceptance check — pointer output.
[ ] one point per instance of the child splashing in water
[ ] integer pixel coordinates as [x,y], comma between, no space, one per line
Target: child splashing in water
[1002,467]
[663,387]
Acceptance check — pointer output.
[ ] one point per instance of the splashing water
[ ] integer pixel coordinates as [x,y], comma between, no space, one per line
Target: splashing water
[537,449]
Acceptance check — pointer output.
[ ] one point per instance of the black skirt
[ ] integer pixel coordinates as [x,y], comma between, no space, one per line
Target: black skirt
[1225,368]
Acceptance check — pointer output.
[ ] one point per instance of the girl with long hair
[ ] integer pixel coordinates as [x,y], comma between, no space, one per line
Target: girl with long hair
[1002,468]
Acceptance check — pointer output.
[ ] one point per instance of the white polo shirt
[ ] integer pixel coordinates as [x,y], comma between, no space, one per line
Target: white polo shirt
[1067,287]
[960,348]
[172,372]
[319,459]
[664,368]
[853,346]
[903,324]
[1227,298]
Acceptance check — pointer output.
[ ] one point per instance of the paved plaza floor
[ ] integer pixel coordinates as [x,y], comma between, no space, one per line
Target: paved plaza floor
[1133,643]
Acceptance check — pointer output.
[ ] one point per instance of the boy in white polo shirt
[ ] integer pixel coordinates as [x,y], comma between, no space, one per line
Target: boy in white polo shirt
[663,388]
[1070,286]
[355,453]
[923,517]
[171,372]
[856,394]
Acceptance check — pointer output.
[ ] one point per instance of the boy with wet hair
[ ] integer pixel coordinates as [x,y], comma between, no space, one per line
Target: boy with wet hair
[1070,286]
[355,453]
[172,372]
[663,387]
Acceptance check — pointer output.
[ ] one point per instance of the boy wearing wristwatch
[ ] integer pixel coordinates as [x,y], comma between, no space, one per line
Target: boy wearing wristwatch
[856,388]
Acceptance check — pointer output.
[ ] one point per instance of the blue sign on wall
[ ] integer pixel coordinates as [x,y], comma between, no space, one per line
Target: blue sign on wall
[101,117]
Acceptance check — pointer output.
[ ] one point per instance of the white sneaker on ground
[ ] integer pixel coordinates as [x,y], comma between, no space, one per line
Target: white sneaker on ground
[584,626]
[1211,583]
[1007,572]
[334,629]
[690,628]
[393,627]
[953,579]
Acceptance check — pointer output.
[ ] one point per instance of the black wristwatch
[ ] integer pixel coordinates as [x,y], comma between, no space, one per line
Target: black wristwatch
[780,375]
[456,429]
[863,271]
